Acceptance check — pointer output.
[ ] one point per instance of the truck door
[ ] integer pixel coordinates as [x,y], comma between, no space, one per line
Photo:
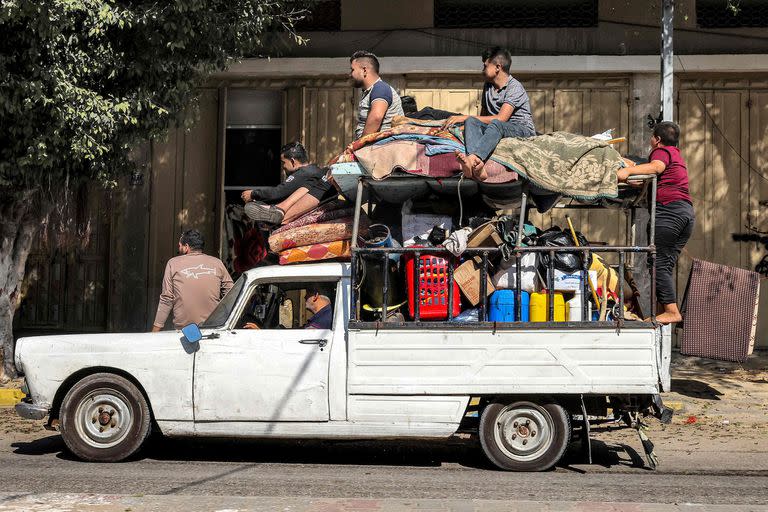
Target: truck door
[273,366]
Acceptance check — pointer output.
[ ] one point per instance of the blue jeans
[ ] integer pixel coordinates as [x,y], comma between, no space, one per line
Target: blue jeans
[481,138]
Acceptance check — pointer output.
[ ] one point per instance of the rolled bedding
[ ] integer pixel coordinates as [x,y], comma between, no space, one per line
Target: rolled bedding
[318,233]
[323,213]
[336,250]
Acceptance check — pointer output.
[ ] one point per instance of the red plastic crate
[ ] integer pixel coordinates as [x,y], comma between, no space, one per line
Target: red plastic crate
[433,288]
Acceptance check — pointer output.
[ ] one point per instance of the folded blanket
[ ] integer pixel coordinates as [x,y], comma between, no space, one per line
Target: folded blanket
[403,130]
[337,229]
[380,160]
[340,249]
[572,165]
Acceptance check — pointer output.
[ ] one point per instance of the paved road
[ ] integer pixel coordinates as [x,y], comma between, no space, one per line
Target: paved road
[725,466]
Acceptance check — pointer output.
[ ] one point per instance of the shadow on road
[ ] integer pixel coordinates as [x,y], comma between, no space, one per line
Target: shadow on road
[604,454]
[695,389]
[423,453]
[414,453]
[42,446]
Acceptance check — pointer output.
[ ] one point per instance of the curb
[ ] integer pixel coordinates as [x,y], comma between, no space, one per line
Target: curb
[10,397]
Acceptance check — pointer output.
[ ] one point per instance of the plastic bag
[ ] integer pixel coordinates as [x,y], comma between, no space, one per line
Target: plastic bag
[468,315]
[507,277]
[419,225]
[565,261]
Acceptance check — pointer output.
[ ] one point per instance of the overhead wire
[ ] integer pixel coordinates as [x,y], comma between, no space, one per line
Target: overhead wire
[709,116]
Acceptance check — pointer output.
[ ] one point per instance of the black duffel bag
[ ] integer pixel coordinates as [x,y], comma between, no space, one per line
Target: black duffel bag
[568,262]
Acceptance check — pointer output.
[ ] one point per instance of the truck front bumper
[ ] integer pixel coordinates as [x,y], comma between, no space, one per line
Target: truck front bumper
[31,411]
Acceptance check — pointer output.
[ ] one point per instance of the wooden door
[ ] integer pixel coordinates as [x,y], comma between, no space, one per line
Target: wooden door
[723,132]
[67,274]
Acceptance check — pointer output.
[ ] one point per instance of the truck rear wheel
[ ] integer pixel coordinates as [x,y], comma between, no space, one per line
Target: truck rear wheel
[526,435]
[104,418]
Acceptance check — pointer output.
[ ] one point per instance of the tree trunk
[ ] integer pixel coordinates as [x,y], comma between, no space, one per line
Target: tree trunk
[19,221]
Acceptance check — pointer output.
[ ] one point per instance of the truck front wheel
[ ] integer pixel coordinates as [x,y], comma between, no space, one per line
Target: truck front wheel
[104,418]
[526,435]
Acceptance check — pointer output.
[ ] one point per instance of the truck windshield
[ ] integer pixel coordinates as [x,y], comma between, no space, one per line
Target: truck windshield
[219,316]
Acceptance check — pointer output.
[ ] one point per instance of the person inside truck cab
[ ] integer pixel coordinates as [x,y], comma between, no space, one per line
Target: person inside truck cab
[262,310]
[320,306]
[306,186]
[505,112]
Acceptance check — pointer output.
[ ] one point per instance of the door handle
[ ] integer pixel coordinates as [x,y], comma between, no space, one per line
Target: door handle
[321,342]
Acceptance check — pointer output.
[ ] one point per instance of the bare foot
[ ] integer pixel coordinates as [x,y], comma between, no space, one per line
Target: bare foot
[478,168]
[669,318]
[466,166]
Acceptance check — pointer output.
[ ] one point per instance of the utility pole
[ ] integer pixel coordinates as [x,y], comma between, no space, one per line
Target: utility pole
[667,63]
[666,106]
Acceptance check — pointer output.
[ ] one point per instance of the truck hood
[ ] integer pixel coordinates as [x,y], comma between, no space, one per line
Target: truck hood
[74,346]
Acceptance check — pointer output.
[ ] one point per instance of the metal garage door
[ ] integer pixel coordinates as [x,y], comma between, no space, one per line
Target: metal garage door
[724,125]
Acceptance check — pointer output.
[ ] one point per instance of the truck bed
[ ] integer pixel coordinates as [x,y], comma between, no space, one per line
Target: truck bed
[451,359]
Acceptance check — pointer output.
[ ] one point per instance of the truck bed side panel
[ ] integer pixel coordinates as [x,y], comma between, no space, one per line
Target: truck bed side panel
[445,362]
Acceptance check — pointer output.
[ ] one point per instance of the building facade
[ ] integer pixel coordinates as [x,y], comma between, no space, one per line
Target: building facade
[587,65]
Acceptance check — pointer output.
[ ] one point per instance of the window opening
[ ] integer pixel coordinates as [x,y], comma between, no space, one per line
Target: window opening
[733,14]
[285,305]
[515,13]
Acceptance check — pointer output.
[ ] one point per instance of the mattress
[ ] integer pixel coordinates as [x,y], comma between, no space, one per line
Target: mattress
[336,229]
[337,250]
[720,312]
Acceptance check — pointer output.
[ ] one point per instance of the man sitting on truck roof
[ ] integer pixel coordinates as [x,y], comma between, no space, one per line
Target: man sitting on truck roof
[379,102]
[505,112]
[305,187]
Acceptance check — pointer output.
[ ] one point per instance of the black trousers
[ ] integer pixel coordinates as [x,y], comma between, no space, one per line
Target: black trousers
[674,226]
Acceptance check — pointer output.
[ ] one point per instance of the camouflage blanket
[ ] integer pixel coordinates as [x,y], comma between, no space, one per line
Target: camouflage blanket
[573,165]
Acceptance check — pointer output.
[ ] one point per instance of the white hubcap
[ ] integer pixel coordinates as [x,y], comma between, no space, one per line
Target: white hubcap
[523,431]
[103,418]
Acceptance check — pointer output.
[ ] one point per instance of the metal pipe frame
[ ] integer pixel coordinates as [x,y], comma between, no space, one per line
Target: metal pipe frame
[492,250]
[585,251]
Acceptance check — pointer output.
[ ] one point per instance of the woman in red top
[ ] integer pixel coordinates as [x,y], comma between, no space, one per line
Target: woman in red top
[674,212]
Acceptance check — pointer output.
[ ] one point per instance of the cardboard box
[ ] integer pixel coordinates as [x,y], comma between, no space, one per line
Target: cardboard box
[564,282]
[484,236]
[467,276]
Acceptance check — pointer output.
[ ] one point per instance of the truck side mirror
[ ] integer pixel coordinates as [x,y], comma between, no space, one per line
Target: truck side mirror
[192,333]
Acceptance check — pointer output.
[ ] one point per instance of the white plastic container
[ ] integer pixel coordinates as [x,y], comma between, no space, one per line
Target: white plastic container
[564,282]
[574,308]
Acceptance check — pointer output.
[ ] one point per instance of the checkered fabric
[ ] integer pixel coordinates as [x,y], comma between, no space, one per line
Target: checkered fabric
[720,312]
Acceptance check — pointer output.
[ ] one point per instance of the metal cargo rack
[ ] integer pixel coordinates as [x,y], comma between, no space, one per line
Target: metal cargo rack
[648,189]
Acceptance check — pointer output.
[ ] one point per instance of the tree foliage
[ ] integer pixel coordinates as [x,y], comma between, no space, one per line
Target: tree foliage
[82,81]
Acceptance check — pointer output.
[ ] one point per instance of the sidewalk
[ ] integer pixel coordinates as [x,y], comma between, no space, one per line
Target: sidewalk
[99,502]
[718,392]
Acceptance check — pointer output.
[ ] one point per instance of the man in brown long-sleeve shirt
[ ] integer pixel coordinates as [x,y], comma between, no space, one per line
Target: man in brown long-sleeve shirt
[193,284]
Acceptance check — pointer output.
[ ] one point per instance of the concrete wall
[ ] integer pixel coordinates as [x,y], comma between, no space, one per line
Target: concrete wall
[625,27]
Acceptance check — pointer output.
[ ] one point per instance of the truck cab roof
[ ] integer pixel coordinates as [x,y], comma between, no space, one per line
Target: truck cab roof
[299,270]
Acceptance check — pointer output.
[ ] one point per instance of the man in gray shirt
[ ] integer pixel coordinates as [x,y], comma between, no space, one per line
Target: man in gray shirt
[379,102]
[506,112]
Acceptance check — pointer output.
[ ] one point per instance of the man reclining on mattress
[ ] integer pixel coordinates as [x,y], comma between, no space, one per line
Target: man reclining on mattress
[505,112]
[305,187]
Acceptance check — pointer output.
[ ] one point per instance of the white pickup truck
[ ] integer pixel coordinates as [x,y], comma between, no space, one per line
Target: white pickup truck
[107,392]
